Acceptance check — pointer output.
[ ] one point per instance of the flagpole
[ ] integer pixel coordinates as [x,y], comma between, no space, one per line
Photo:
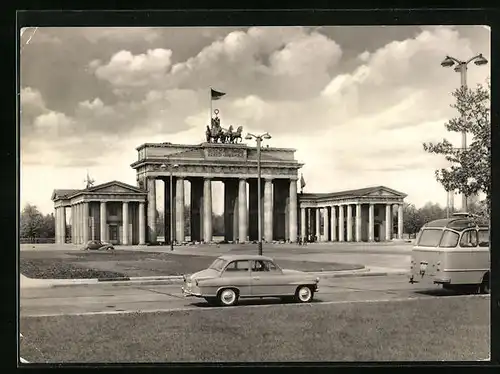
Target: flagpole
[210,98]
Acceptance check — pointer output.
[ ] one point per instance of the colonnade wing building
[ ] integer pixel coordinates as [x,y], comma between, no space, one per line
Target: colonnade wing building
[125,214]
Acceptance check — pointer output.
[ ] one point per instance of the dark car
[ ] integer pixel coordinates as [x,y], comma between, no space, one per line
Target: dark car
[98,245]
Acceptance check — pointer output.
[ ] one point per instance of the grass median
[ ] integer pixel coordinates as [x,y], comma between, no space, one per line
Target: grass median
[120,263]
[446,328]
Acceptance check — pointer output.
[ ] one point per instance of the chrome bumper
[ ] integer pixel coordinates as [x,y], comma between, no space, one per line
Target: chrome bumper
[188,293]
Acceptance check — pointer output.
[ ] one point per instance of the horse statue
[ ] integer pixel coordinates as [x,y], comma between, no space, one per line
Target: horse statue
[234,136]
[216,133]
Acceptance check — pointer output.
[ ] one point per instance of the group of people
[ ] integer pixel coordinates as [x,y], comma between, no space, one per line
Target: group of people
[309,239]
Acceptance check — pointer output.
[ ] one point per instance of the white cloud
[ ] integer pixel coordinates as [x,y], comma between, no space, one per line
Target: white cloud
[364,127]
[127,70]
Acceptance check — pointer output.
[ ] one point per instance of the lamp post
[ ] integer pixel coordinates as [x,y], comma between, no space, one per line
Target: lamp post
[163,166]
[462,69]
[258,139]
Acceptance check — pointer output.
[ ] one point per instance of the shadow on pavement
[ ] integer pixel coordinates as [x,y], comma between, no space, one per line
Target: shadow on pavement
[444,292]
[256,301]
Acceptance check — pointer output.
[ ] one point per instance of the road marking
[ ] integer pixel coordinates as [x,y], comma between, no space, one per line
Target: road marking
[23,361]
[183,309]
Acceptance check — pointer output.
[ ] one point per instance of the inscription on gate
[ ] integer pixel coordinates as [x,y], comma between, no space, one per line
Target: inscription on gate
[225,152]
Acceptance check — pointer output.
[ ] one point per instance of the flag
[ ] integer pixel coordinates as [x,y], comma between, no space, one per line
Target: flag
[302,182]
[216,95]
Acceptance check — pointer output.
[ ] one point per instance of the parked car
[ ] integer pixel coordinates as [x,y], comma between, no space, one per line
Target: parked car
[98,245]
[231,277]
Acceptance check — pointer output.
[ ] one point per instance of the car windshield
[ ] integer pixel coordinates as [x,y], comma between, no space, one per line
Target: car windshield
[429,238]
[218,264]
[449,239]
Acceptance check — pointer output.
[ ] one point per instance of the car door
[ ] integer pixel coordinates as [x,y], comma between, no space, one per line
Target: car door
[470,265]
[237,274]
[267,279]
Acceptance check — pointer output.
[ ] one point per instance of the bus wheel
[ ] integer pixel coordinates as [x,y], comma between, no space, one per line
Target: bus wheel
[485,285]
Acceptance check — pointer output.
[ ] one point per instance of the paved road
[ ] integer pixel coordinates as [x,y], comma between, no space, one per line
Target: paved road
[105,298]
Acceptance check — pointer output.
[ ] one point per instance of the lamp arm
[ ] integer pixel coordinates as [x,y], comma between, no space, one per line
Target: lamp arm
[473,58]
[455,60]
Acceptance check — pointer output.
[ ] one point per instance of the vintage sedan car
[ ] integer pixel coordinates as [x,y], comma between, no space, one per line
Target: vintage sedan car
[98,245]
[231,277]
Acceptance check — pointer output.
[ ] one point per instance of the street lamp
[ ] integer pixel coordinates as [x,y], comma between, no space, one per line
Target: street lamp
[163,166]
[258,139]
[461,68]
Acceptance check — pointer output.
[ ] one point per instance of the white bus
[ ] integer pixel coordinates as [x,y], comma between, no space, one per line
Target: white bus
[452,252]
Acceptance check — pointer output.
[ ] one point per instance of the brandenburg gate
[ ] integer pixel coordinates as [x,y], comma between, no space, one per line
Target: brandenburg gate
[236,166]
[124,214]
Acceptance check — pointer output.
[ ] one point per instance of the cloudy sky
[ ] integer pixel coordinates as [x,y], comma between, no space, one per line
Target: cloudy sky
[355,102]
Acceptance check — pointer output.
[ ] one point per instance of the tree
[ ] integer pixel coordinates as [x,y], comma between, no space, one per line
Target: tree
[470,171]
[48,228]
[218,220]
[31,222]
[480,209]
[412,221]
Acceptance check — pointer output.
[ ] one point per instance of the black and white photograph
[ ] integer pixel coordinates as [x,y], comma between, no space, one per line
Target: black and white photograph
[263,194]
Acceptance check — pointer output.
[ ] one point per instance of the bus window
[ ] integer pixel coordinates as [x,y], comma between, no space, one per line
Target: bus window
[429,238]
[449,240]
[484,238]
[469,239]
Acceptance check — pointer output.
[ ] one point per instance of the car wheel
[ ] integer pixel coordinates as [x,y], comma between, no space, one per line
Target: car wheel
[304,294]
[485,285]
[228,297]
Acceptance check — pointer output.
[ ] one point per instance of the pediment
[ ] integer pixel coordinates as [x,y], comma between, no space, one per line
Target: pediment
[115,187]
[385,192]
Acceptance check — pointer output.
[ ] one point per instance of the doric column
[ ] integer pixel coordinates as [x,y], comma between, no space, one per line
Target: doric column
[125,223]
[341,223]
[80,223]
[371,223]
[318,224]
[358,222]
[268,210]
[242,211]
[57,225]
[388,222]
[85,222]
[179,211]
[292,208]
[103,220]
[142,224]
[74,223]
[207,210]
[333,224]
[151,186]
[303,224]
[325,224]
[349,222]
[400,221]
[78,220]
[63,225]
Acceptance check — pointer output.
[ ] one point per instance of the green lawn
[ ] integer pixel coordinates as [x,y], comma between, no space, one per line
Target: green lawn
[444,328]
